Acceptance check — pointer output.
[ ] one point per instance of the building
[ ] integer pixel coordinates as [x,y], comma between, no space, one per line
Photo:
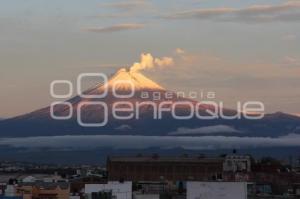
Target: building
[112,189]
[44,190]
[155,168]
[77,185]
[9,189]
[159,189]
[237,163]
[216,190]
[146,196]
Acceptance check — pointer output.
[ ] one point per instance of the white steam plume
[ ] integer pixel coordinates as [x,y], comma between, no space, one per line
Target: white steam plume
[148,62]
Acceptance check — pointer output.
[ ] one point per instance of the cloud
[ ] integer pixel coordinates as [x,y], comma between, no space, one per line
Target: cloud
[200,13]
[116,28]
[291,61]
[179,51]
[200,59]
[128,5]
[148,61]
[288,11]
[123,127]
[164,61]
[126,9]
[144,142]
[289,37]
[205,130]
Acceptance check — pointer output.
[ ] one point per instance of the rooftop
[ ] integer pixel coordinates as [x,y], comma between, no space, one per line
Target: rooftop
[47,185]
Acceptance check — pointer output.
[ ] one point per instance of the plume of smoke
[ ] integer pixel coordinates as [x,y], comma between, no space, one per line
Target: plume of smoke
[148,62]
[165,61]
[179,51]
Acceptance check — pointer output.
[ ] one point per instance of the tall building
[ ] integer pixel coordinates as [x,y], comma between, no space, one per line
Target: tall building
[155,168]
[236,163]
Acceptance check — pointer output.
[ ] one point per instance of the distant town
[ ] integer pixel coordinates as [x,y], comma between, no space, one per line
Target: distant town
[232,176]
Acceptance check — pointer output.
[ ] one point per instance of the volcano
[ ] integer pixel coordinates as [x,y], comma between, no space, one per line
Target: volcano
[138,80]
[136,99]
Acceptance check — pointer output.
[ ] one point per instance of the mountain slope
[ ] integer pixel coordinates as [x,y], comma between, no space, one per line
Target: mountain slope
[40,123]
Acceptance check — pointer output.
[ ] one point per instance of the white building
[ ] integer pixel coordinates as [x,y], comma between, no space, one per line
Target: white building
[74,197]
[236,163]
[145,196]
[10,190]
[120,190]
[216,190]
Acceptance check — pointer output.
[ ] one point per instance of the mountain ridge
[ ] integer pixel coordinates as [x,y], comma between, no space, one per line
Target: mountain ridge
[39,122]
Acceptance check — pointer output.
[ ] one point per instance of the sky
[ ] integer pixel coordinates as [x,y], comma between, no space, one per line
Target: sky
[241,50]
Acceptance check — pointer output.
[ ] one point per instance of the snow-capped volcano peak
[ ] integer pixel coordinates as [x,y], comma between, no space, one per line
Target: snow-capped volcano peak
[124,79]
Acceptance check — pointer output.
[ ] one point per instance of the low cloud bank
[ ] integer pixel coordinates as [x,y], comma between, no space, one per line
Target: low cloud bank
[144,142]
[287,11]
[205,130]
[116,28]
